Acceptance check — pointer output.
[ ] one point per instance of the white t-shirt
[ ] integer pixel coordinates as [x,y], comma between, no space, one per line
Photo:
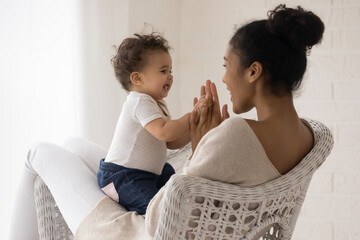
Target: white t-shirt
[133,146]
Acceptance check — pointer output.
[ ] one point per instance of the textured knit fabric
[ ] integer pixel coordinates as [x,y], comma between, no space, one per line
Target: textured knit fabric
[133,146]
[229,153]
[232,153]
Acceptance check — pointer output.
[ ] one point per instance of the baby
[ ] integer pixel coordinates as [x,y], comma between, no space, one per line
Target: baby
[135,167]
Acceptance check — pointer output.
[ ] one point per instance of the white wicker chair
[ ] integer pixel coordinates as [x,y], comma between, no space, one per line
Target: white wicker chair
[197,208]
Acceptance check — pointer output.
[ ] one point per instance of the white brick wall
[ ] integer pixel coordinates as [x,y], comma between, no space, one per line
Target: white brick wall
[200,30]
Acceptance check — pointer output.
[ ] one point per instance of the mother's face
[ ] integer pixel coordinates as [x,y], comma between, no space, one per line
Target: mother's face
[237,79]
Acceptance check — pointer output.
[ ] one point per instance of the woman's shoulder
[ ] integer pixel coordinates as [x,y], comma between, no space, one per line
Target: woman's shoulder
[235,124]
[233,129]
[234,120]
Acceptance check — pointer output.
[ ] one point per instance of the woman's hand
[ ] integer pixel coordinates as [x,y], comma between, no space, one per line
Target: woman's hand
[216,104]
[206,114]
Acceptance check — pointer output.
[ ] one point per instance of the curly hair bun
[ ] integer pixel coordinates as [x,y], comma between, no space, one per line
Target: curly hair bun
[298,28]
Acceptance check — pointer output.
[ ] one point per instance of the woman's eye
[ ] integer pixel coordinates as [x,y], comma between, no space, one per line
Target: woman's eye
[163,71]
[224,65]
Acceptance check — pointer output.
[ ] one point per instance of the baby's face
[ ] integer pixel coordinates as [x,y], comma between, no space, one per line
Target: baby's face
[156,75]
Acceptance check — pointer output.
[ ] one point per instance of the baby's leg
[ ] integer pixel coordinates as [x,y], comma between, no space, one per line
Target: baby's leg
[166,173]
[138,190]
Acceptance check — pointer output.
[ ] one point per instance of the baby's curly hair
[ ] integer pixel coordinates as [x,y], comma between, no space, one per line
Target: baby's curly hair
[130,55]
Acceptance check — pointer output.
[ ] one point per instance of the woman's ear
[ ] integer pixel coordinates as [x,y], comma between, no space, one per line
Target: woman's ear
[135,78]
[255,71]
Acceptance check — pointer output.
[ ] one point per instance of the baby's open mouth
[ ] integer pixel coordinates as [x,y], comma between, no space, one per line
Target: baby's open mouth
[167,87]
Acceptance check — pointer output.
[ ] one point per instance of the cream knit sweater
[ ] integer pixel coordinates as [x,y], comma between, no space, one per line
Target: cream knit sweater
[229,153]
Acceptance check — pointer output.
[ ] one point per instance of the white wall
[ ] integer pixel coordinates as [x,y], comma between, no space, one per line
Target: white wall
[98,27]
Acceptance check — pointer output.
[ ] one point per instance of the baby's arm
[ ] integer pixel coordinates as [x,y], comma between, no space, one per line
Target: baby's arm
[180,142]
[168,131]
[176,133]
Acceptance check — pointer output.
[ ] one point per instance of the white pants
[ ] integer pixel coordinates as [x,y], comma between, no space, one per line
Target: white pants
[70,174]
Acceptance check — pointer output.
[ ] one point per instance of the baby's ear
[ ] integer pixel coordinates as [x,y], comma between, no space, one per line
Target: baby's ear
[135,78]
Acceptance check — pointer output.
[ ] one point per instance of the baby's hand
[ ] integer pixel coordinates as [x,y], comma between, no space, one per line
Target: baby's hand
[201,103]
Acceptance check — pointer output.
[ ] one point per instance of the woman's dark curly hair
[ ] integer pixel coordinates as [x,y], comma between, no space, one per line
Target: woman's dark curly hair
[280,44]
[130,55]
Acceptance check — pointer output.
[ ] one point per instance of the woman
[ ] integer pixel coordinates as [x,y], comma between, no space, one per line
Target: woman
[265,61]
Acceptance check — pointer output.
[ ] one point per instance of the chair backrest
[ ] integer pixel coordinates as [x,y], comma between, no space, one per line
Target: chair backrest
[198,208]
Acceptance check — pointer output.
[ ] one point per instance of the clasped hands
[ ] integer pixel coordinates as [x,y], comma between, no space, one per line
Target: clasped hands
[206,114]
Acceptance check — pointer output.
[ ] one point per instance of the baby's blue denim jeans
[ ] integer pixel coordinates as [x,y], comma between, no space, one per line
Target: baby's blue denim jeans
[132,188]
